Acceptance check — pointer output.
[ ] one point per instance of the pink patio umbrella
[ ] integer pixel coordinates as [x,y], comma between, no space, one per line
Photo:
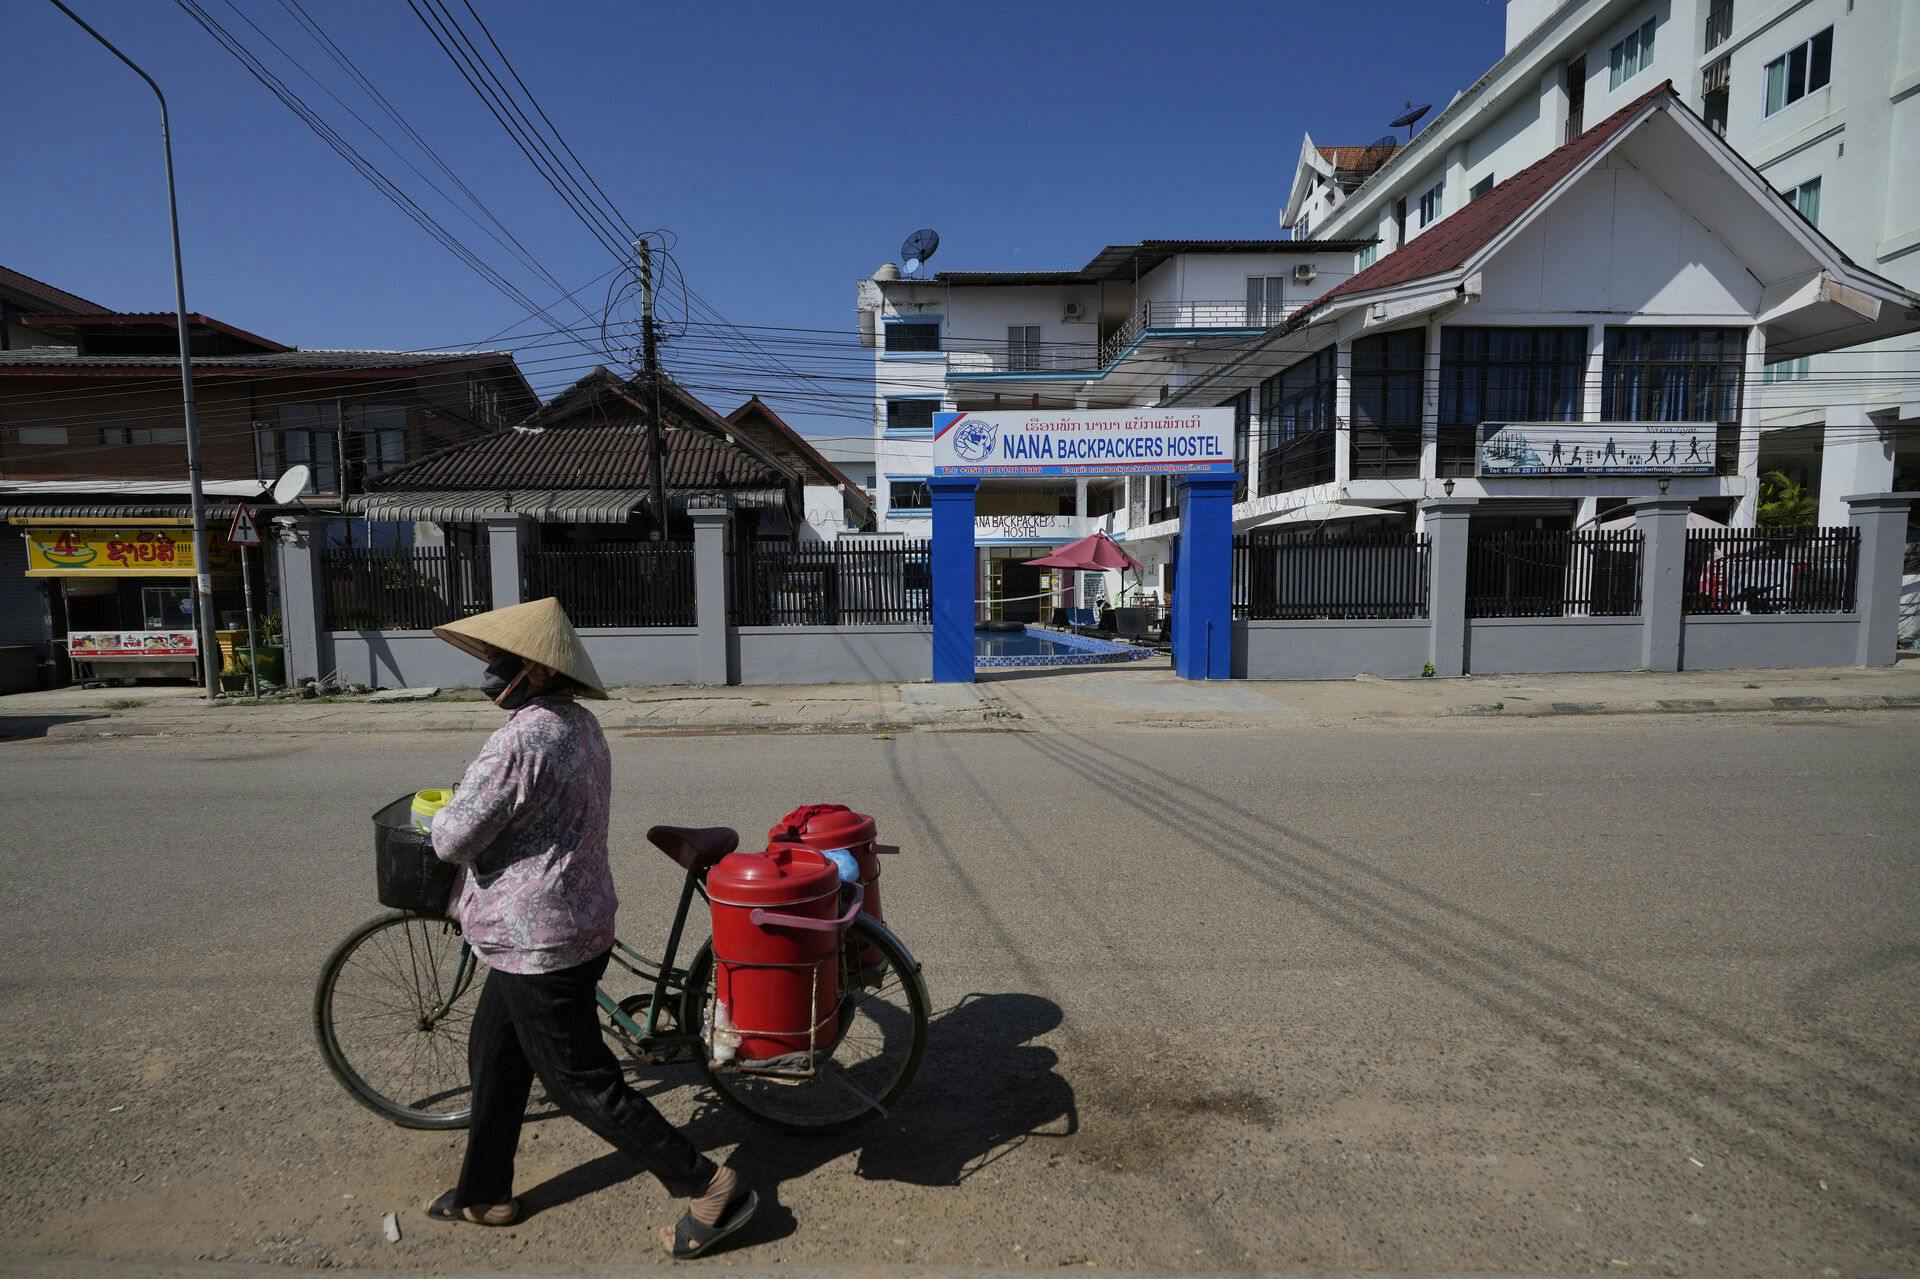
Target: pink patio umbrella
[1094,553]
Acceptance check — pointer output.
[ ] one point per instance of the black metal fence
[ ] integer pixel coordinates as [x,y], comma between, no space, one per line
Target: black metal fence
[1312,575]
[1747,571]
[625,584]
[831,583]
[1515,572]
[405,588]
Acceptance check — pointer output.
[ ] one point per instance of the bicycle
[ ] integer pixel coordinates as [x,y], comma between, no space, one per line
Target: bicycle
[395,1000]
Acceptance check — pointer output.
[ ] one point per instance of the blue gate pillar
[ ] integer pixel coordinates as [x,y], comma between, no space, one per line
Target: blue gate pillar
[1203,579]
[953,578]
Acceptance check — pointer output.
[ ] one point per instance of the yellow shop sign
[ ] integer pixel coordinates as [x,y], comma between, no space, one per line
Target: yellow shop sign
[70,550]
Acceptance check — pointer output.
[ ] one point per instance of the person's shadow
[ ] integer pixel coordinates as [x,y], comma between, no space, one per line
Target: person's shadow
[982,1091]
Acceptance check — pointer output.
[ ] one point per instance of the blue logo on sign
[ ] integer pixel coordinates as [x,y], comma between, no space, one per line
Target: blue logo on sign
[974,441]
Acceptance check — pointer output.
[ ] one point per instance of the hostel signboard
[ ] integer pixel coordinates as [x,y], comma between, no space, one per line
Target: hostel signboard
[73,550]
[1597,448]
[1084,442]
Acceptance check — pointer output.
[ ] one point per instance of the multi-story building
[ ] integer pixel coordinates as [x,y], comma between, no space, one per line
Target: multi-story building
[1136,323]
[1591,327]
[1820,97]
[92,438]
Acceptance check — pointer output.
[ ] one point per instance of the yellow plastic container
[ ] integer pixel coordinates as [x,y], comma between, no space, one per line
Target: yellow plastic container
[426,805]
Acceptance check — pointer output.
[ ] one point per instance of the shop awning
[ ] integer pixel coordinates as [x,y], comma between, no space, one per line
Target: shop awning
[1320,513]
[557,506]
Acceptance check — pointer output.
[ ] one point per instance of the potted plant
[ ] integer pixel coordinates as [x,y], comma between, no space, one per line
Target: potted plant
[270,655]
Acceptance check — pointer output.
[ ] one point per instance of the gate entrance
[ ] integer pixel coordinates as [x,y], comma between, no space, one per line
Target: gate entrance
[1194,445]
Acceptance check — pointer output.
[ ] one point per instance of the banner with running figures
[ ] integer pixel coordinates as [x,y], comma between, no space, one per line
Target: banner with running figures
[1597,448]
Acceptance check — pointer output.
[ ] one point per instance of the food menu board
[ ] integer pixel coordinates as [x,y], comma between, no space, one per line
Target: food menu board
[83,645]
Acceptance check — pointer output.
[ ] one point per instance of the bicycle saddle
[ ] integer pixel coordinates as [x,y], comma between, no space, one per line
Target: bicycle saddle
[695,847]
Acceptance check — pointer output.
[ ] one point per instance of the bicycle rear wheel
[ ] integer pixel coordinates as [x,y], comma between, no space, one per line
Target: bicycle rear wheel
[391,1011]
[884,1015]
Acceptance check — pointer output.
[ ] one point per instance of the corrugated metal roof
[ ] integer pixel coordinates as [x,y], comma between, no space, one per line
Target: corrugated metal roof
[1125,261]
[46,295]
[594,436]
[266,362]
[113,510]
[561,506]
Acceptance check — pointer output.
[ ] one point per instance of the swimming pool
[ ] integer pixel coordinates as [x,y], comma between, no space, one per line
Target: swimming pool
[1038,646]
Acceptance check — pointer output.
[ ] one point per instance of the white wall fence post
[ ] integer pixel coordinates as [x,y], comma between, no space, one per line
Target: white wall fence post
[1446,522]
[300,541]
[506,534]
[1882,521]
[1662,522]
[710,529]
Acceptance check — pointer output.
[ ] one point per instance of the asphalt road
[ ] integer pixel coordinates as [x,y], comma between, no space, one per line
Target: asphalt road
[1565,995]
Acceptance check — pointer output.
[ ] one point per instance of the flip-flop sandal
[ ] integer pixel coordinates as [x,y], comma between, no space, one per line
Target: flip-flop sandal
[691,1239]
[442,1209]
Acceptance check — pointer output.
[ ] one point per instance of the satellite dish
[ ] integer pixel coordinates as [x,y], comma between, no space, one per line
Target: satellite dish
[292,484]
[919,247]
[1388,141]
[1406,119]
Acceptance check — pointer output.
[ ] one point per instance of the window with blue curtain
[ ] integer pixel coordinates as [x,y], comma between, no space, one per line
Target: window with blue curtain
[1490,376]
[1676,375]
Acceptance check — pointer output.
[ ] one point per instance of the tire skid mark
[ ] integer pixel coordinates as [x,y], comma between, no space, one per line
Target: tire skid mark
[1512,996]
[1030,972]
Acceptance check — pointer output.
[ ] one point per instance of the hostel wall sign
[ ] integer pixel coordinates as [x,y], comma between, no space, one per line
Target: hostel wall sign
[1084,442]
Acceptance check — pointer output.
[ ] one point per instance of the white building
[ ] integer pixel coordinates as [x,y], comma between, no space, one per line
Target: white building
[1633,282]
[1138,322]
[1820,97]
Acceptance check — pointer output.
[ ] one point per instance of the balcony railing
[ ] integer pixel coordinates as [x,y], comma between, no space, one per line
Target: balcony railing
[1076,357]
[1230,314]
[1719,25]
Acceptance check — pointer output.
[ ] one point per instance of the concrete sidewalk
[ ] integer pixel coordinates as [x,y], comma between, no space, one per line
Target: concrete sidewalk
[1137,696]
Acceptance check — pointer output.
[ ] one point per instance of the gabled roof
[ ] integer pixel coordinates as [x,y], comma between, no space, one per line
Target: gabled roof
[27,293]
[1358,162]
[152,321]
[757,421]
[1816,298]
[1465,231]
[595,435]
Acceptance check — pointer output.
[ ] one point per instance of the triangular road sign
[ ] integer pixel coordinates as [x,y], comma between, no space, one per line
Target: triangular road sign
[245,531]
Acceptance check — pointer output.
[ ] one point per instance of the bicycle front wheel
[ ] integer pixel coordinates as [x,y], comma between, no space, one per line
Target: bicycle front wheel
[392,1010]
[884,1020]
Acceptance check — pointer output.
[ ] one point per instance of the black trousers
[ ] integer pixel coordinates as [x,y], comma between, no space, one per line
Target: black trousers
[547,1024]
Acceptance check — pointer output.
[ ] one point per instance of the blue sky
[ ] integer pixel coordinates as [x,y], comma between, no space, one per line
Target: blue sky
[789,146]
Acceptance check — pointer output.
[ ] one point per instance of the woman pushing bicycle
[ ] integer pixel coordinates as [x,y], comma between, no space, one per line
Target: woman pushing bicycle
[529,824]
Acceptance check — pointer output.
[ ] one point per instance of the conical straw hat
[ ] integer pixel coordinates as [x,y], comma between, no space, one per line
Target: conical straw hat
[538,631]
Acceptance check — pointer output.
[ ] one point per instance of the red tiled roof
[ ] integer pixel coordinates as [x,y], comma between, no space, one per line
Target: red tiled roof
[1358,160]
[1466,231]
[47,296]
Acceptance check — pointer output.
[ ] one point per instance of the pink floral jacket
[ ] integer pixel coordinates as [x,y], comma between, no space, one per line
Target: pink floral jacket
[529,822]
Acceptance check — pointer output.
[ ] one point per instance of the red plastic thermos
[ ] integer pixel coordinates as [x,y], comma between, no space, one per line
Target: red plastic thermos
[779,985]
[829,826]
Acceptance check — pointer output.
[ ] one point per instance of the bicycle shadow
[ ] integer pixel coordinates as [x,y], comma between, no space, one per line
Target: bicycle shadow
[983,1091]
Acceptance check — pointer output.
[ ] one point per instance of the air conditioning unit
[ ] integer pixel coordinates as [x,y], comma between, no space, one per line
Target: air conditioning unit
[1304,273]
[1073,313]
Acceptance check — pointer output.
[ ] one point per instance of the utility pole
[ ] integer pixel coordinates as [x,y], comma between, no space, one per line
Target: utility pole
[202,568]
[650,347]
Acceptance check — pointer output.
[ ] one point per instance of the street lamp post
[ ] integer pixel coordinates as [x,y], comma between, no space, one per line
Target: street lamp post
[202,570]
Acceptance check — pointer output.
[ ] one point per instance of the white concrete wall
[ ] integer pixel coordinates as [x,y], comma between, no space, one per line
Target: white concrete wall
[1617,243]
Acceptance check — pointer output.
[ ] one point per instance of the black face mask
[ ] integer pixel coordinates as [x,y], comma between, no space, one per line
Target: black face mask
[502,671]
